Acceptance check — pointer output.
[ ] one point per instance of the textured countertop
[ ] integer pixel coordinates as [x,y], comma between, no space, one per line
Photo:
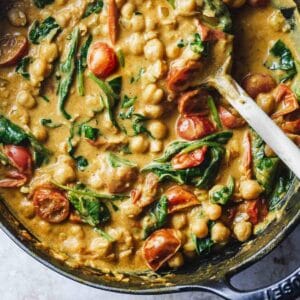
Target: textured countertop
[23,278]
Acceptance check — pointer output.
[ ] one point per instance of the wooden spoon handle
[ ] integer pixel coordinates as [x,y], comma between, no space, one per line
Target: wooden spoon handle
[286,150]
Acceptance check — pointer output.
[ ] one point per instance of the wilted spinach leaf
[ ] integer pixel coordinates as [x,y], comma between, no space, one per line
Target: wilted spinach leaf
[22,67]
[223,194]
[116,161]
[42,3]
[93,7]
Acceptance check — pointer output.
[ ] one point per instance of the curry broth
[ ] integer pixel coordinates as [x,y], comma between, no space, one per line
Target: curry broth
[147,21]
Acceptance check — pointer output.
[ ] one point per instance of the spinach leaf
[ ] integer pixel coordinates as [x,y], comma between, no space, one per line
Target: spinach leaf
[38,31]
[93,7]
[42,3]
[88,132]
[223,194]
[110,98]
[281,58]
[22,67]
[116,84]
[81,162]
[214,112]
[136,78]
[82,64]
[67,70]
[264,168]
[198,46]
[48,123]
[121,58]
[202,246]
[216,10]
[12,134]
[172,3]
[116,161]
[158,216]
[283,184]
[104,234]
[138,125]
[90,209]
[128,101]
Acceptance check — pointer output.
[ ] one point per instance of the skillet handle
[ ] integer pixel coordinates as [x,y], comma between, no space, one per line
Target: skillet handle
[287,288]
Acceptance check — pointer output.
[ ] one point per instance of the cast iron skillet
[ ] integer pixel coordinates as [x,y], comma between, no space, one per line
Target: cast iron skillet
[210,274]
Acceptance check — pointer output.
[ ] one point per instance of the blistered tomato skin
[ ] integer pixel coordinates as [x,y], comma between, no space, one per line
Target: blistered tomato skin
[102,60]
[51,204]
[194,127]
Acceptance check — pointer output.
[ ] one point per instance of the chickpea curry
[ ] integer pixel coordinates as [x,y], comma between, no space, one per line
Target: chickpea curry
[113,155]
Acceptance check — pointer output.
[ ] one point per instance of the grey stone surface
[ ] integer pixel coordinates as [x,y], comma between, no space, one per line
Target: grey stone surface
[23,278]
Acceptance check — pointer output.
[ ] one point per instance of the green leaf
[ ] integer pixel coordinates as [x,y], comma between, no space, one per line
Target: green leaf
[172,3]
[81,162]
[281,58]
[128,101]
[138,125]
[22,67]
[197,45]
[67,70]
[88,132]
[82,64]
[93,7]
[48,123]
[158,216]
[202,246]
[42,3]
[39,31]
[104,234]
[264,168]
[214,111]
[121,58]
[136,78]
[116,84]
[223,194]
[116,161]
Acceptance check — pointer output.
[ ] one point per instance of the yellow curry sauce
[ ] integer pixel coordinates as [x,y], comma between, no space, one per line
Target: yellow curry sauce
[111,191]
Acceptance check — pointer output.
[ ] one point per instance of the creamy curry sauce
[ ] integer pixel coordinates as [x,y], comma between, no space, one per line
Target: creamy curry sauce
[161,216]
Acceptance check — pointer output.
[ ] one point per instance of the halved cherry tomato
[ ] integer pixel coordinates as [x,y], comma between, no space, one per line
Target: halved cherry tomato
[180,198]
[209,34]
[179,77]
[189,160]
[257,83]
[12,49]
[291,122]
[13,179]
[287,101]
[112,20]
[257,210]
[229,120]
[51,204]
[160,246]
[194,127]
[193,102]
[20,157]
[247,156]
[101,60]
[145,194]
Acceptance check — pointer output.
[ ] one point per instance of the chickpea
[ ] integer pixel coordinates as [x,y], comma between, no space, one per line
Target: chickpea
[27,209]
[258,3]
[277,21]
[138,23]
[39,67]
[220,233]
[156,71]
[63,19]
[72,245]
[100,246]
[150,24]
[213,211]
[234,3]
[139,144]
[40,133]
[255,84]
[44,227]
[242,230]
[153,111]
[131,210]
[96,180]
[156,146]
[76,230]
[25,99]
[176,261]
[199,228]
[269,151]
[152,94]
[179,221]
[158,129]
[266,102]
[154,50]
[250,189]
[17,17]
[20,114]
[64,173]
[189,249]
[127,10]
[60,2]
[173,51]
[136,43]
[185,7]
[49,52]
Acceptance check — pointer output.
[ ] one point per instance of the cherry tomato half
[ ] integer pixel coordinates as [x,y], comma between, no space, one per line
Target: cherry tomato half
[101,60]
[194,127]
[229,120]
[51,204]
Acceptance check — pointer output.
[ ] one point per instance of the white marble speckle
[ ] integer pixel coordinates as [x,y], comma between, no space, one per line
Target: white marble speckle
[23,278]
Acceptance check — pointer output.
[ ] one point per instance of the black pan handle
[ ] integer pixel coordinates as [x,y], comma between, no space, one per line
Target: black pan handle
[285,289]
